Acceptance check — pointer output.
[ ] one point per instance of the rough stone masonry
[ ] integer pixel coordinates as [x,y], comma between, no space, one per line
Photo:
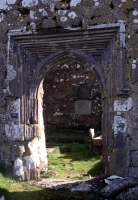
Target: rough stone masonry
[36,36]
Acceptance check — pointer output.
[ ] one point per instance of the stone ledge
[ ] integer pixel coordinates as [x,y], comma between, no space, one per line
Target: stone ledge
[98,141]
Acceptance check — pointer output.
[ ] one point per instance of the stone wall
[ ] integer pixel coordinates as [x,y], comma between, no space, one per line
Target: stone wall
[62,88]
[113,59]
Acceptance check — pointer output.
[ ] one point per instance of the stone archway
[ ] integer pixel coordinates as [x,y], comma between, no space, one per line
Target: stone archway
[27,70]
[33,153]
[62,56]
[65,57]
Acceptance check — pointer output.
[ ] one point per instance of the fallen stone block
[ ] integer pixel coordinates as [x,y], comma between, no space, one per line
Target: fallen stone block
[116,186]
[131,194]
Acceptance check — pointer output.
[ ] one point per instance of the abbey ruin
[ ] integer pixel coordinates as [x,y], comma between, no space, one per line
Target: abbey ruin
[68,63]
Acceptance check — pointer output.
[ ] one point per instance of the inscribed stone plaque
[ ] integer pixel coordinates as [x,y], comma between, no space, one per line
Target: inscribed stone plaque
[83,107]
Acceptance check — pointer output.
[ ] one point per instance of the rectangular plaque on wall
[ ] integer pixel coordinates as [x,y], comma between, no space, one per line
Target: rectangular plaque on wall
[83,91]
[14,115]
[83,107]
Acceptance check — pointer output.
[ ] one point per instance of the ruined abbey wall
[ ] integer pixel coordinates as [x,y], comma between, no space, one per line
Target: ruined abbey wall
[63,86]
[110,28]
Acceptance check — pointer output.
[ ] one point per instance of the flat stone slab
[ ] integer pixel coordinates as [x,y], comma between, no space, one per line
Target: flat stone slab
[83,107]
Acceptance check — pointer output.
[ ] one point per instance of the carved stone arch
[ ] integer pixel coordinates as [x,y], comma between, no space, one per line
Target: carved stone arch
[59,58]
[33,127]
[62,56]
[112,81]
[46,65]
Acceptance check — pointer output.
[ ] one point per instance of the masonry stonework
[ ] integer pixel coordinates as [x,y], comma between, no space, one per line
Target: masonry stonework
[39,36]
[65,86]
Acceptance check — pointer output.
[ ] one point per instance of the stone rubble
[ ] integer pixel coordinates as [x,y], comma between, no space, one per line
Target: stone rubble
[84,187]
[132,194]
[117,186]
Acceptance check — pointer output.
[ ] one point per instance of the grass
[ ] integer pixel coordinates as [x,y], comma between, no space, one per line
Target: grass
[63,137]
[66,133]
[13,190]
[72,162]
[65,162]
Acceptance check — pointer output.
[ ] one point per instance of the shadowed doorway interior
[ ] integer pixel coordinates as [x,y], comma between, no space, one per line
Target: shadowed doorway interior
[72,99]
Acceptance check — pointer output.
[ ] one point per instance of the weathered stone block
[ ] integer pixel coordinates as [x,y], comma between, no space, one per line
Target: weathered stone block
[116,186]
[134,140]
[133,172]
[6,149]
[134,158]
[98,141]
[48,23]
[17,150]
[119,161]
[132,193]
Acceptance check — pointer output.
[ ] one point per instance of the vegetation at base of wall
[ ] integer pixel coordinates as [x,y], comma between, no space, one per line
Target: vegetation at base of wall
[68,162]
[70,132]
[67,133]
[62,163]
[67,137]
[23,191]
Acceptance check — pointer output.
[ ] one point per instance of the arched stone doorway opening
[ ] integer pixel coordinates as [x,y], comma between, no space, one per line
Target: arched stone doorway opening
[72,97]
[27,70]
[81,89]
[86,65]
[33,151]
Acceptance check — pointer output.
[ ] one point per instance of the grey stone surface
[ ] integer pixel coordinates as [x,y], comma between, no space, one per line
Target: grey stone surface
[131,194]
[83,107]
[2,198]
[116,186]
[133,172]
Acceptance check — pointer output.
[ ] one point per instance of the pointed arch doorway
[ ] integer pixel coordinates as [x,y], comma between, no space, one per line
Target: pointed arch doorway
[63,59]
[72,98]
[32,56]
